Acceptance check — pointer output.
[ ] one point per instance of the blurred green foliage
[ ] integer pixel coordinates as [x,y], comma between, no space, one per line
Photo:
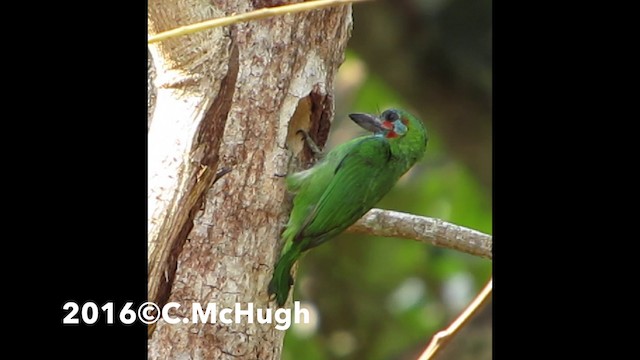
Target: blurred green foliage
[382,298]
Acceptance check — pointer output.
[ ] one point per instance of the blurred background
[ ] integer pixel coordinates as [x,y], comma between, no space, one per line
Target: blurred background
[384,298]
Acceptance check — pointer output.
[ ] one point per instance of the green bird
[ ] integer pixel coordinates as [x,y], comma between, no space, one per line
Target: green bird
[345,184]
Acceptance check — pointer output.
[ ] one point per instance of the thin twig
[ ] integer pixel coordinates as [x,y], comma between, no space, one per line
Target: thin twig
[252,15]
[389,223]
[442,337]
[222,172]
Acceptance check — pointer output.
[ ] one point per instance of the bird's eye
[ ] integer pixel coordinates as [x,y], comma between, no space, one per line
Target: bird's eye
[390,115]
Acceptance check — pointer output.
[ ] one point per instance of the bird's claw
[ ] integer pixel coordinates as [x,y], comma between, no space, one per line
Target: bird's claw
[317,153]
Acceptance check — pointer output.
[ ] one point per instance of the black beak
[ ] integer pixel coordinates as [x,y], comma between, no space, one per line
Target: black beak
[368,122]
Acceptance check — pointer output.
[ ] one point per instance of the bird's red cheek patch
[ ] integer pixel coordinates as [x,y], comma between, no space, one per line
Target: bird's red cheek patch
[388,125]
[392,134]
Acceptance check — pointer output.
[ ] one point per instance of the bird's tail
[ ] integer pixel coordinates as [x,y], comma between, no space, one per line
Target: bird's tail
[282,279]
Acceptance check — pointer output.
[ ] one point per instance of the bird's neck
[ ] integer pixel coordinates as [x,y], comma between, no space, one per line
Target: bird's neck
[409,148]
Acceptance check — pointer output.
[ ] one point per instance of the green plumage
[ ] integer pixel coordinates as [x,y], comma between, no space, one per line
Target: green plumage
[345,184]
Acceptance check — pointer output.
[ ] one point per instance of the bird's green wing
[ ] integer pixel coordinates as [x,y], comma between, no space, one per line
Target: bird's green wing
[361,179]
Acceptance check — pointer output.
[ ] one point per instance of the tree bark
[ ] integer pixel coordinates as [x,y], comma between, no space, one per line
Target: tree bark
[230,98]
[429,230]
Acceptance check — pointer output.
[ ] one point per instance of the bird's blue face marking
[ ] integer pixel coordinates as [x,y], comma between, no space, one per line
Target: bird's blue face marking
[393,124]
[399,128]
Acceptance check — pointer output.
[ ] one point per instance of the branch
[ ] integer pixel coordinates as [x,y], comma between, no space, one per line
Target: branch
[388,223]
[251,15]
[444,336]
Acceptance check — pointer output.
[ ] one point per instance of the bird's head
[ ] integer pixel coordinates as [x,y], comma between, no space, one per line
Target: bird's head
[391,123]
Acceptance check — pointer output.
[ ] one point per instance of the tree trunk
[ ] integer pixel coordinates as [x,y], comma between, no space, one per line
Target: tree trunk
[229,98]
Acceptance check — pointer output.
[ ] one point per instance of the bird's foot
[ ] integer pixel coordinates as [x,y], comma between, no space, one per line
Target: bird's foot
[317,153]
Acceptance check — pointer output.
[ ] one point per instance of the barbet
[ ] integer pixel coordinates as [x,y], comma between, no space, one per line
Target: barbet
[345,184]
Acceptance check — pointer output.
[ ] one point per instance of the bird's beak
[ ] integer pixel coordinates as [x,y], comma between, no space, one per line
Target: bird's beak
[368,122]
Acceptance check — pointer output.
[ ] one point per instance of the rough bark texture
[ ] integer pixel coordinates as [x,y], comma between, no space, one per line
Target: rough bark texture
[430,230]
[230,98]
